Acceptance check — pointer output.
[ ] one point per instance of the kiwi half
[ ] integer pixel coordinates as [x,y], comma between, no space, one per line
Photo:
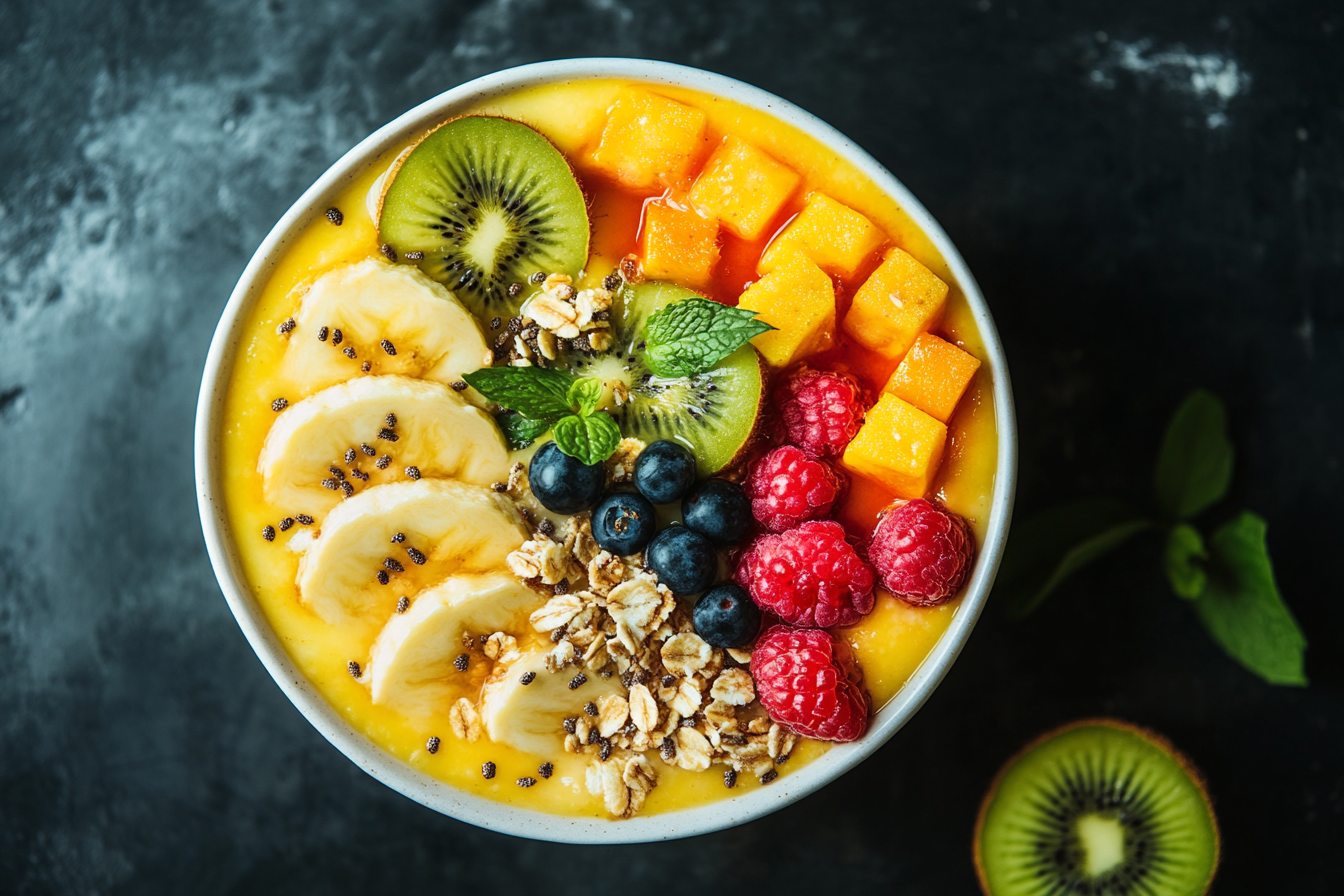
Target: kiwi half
[489,202]
[714,414]
[1097,808]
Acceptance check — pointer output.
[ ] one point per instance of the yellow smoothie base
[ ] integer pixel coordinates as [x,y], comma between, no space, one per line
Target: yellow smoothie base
[890,643]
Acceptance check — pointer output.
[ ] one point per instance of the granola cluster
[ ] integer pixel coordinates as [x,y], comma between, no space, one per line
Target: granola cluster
[695,705]
[558,318]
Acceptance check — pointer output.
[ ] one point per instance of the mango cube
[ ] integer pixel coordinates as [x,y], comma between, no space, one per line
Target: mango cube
[799,299]
[933,376]
[834,236]
[898,445]
[650,142]
[678,244]
[899,301]
[744,187]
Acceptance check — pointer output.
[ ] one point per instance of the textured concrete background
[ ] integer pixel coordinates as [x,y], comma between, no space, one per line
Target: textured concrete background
[1151,193]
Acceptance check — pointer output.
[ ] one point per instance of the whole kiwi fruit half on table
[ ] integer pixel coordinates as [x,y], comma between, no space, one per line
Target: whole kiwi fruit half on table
[1097,808]
[488,202]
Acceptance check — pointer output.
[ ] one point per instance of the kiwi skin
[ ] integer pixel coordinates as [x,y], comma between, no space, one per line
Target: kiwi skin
[1157,740]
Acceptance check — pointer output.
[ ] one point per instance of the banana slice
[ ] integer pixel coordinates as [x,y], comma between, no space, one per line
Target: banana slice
[446,527]
[531,716]
[436,431]
[411,665]
[374,301]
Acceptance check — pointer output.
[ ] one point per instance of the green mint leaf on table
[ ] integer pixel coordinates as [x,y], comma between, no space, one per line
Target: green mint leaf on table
[1047,548]
[584,395]
[592,438]
[520,431]
[692,335]
[1184,559]
[1241,606]
[535,392]
[1194,465]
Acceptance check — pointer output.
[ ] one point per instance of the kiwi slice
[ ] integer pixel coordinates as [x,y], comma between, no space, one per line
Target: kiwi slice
[1100,808]
[714,413]
[489,202]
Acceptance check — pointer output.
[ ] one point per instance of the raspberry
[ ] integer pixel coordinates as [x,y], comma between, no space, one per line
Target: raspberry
[805,685]
[808,576]
[788,487]
[820,411]
[923,552]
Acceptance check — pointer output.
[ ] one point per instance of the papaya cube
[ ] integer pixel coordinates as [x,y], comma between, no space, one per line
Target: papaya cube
[677,243]
[650,142]
[898,445]
[899,301]
[798,298]
[744,187]
[933,376]
[834,236]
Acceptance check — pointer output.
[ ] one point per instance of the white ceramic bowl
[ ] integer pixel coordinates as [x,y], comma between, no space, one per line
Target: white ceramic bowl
[443,797]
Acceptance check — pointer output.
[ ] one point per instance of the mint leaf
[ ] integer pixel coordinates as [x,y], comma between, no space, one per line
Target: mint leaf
[692,335]
[520,431]
[591,438]
[1241,606]
[1194,466]
[535,392]
[585,395]
[1045,549]
[1183,559]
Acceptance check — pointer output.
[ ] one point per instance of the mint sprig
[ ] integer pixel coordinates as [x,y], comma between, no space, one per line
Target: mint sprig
[537,399]
[1228,577]
[691,336]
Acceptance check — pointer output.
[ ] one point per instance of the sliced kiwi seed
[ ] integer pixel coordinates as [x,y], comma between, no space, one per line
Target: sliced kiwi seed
[1097,808]
[490,203]
[715,414]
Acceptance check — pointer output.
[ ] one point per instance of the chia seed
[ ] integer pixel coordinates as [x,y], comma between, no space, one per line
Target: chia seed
[383,577]
[590,707]
[735,740]
[403,604]
[488,770]
[602,315]
[578,681]
[730,779]
[668,681]
[322,334]
[349,352]
[769,776]
[414,255]
[515,289]
[500,487]
[336,337]
[667,749]
[347,489]
[557,634]
[304,519]
[571,723]
[383,462]
[353,668]
[398,538]
[286,327]
[494,323]
[526,782]
[560,587]
[331,484]
[546,769]
[387,435]
[546,527]
[367,449]
[527,678]
[538,278]
[605,673]
[286,524]
[390,419]
[460,664]
[413,472]
[604,752]
[432,745]
[393,564]
[334,216]
[350,455]
[416,557]
[388,346]
[268,533]
[366,367]
[612,281]
[459,386]
[594,736]
[360,475]
[388,252]
[279,404]
[337,471]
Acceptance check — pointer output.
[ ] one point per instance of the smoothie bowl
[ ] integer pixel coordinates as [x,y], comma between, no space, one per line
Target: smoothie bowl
[606,451]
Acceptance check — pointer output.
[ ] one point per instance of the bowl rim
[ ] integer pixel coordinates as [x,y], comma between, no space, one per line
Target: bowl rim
[443,797]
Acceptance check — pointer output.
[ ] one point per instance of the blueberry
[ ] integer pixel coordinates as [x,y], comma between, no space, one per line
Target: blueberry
[564,484]
[664,471]
[726,617]
[623,523]
[683,559]
[719,510]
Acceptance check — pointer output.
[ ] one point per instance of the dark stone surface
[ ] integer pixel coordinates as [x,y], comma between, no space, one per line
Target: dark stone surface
[1137,234]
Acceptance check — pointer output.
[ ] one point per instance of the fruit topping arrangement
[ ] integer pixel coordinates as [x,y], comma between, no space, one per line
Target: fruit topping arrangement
[589,505]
